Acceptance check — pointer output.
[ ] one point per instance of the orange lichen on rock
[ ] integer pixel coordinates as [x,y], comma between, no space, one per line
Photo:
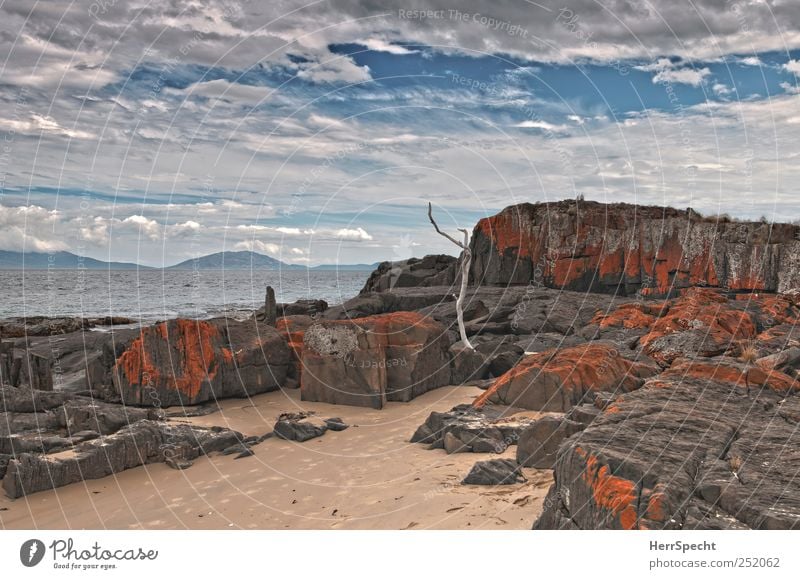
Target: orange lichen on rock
[196,346]
[135,364]
[589,246]
[735,374]
[704,311]
[194,362]
[628,316]
[614,494]
[557,379]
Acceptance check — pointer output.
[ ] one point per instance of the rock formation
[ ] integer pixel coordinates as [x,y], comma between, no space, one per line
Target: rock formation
[621,248]
[372,360]
[182,361]
[431,270]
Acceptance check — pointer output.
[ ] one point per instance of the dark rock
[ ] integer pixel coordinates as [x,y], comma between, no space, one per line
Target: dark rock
[245,453]
[467,429]
[140,443]
[431,270]
[336,424]
[299,427]
[28,400]
[583,414]
[539,442]
[498,471]
[303,308]
[704,436]
[467,364]
[83,414]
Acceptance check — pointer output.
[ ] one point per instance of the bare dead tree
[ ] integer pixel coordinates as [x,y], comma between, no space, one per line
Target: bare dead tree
[465,260]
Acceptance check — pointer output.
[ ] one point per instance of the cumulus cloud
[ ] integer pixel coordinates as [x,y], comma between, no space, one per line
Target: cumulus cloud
[793,66]
[272,249]
[357,234]
[690,76]
[227,91]
[29,228]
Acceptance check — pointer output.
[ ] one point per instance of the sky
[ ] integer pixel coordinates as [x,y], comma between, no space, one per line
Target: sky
[317,132]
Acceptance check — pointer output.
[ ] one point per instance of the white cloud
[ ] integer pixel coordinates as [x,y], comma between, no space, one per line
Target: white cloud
[272,249]
[232,92]
[150,228]
[379,45]
[790,88]
[793,66]
[357,234]
[543,125]
[751,61]
[721,89]
[29,228]
[39,124]
[690,76]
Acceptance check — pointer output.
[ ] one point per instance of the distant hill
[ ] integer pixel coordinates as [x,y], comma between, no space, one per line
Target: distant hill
[229,260]
[234,260]
[58,260]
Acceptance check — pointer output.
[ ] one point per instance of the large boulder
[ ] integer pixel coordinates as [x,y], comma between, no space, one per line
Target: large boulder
[372,360]
[622,248]
[695,448]
[557,380]
[183,362]
[431,270]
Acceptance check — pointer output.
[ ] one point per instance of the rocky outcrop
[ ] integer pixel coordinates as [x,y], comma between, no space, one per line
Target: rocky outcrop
[704,445]
[182,362]
[140,443]
[24,367]
[557,380]
[33,326]
[621,248]
[372,360]
[431,270]
[51,439]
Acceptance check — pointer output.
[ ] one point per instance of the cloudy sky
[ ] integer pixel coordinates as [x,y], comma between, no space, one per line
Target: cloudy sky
[317,132]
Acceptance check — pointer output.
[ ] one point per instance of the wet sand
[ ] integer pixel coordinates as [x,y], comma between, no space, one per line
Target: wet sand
[366,477]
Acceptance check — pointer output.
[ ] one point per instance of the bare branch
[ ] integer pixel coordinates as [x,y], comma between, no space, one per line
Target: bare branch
[440,232]
[464,261]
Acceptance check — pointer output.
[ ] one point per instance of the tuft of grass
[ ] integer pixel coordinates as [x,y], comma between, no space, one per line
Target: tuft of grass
[749,353]
[735,462]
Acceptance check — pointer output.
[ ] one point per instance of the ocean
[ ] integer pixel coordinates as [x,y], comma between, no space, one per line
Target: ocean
[159,294]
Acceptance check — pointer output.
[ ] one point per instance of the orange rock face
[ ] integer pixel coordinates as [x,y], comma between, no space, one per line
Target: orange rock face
[701,320]
[736,374]
[622,248]
[191,361]
[557,380]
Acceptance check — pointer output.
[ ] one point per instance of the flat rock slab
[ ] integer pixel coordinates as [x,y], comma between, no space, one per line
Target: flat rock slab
[499,471]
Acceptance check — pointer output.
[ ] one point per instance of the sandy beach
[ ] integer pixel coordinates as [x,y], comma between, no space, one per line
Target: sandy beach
[366,477]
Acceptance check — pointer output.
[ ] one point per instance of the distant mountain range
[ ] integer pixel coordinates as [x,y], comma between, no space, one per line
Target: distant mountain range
[229,260]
